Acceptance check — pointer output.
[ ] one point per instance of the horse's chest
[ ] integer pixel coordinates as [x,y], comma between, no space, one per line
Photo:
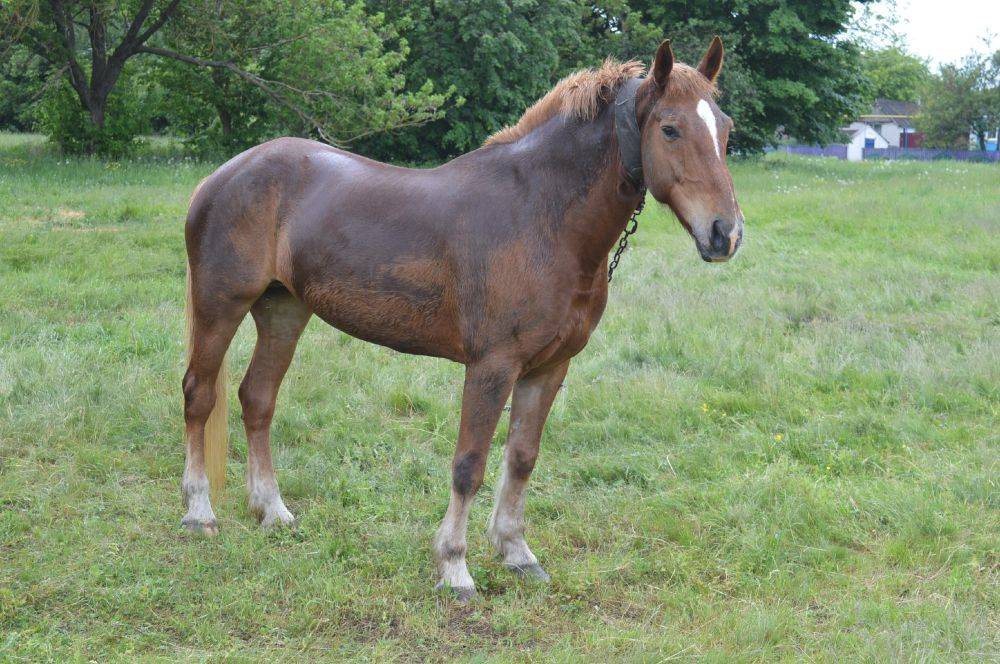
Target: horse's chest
[574,329]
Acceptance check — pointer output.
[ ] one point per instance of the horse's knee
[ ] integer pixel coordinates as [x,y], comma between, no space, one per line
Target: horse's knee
[258,409]
[521,461]
[467,475]
[199,397]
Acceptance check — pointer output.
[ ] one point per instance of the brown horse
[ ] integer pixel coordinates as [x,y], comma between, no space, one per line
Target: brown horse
[497,260]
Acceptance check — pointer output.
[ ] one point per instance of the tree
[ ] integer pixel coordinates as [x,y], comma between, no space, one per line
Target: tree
[24,78]
[79,35]
[499,55]
[893,73]
[989,85]
[256,55]
[962,98]
[92,40]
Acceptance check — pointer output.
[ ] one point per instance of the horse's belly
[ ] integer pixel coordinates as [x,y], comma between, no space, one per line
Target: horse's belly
[411,318]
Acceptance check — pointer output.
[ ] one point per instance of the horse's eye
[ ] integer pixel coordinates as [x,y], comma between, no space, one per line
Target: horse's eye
[670,132]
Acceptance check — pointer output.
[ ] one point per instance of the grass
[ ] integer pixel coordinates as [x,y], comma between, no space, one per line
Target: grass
[790,457]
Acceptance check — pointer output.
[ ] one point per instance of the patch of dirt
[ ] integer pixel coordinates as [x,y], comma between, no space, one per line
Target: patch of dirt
[66,214]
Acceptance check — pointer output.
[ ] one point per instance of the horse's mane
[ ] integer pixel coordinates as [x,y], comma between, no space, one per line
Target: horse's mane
[582,94]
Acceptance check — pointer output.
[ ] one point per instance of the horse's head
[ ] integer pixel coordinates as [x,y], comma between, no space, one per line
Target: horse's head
[684,137]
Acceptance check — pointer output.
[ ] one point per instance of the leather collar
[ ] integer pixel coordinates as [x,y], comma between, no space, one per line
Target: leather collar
[627,131]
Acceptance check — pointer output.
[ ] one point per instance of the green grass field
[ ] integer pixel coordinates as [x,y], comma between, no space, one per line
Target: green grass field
[794,456]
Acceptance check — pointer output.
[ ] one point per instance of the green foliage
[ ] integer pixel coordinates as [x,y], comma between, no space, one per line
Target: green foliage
[23,75]
[326,59]
[894,74]
[250,69]
[499,56]
[790,456]
[962,98]
[69,125]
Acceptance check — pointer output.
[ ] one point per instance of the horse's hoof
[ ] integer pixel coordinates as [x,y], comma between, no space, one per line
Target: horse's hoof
[278,520]
[270,512]
[461,594]
[206,528]
[533,571]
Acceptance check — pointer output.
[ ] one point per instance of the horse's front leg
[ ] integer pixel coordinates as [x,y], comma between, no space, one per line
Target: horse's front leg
[487,386]
[533,397]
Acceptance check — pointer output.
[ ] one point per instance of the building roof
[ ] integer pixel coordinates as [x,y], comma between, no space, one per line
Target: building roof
[891,108]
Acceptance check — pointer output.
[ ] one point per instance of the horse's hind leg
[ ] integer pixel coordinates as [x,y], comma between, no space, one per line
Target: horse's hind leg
[530,405]
[211,335]
[280,319]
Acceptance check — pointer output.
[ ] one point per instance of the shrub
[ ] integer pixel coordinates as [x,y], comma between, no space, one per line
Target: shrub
[67,123]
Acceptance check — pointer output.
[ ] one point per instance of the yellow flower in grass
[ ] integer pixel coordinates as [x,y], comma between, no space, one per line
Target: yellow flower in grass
[704,407]
[778,437]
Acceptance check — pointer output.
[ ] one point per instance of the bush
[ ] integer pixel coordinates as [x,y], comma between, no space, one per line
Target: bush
[63,119]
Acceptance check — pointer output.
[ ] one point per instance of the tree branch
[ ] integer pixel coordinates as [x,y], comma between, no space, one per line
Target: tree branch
[98,44]
[158,23]
[136,24]
[133,40]
[77,77]
[253,79]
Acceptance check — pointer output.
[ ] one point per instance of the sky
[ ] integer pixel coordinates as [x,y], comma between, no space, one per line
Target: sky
[946,30]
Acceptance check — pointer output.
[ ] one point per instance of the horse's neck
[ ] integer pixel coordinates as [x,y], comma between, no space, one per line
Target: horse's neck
[595,213]
[584,172]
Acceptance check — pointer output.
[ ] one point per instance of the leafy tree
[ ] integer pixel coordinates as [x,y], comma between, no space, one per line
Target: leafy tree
[499,55]
[894,74]
[989,89]
[24,78]
[62,118]
[89,40]
[962,98]
[258,54]
[612,28]
[356,93]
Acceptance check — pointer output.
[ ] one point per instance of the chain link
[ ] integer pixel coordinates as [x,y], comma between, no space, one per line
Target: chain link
[630,228]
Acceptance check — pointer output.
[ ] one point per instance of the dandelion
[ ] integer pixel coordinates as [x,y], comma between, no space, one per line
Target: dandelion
[704,407]
[778,437]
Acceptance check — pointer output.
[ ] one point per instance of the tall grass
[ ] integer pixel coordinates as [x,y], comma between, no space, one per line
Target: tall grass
[792,456]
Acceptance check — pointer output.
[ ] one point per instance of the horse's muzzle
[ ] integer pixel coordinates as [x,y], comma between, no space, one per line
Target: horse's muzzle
[724,240]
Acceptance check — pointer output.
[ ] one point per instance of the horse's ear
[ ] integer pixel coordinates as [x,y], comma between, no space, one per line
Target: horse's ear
[711,64]
[662,64]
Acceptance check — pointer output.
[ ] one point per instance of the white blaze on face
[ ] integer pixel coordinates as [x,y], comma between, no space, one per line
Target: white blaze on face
[708,117]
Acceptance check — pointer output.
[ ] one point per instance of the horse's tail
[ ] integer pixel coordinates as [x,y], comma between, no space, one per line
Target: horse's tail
[217,426]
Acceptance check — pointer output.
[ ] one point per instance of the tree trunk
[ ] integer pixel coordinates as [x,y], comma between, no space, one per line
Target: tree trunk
[225,117]
[97,112]
[105,64]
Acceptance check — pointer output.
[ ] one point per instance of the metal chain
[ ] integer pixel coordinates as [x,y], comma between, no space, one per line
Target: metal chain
[630,228]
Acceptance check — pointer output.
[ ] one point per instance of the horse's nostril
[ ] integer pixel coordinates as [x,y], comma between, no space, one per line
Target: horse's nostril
[719,239]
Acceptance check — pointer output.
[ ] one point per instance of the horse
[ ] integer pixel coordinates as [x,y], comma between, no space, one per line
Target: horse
[497,259]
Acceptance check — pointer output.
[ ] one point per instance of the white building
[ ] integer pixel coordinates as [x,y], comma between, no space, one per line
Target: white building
[861,136]
[890,124]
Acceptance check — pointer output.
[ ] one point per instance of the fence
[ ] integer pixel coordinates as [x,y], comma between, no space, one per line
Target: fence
[838,151]
[920,154]
[928,154]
